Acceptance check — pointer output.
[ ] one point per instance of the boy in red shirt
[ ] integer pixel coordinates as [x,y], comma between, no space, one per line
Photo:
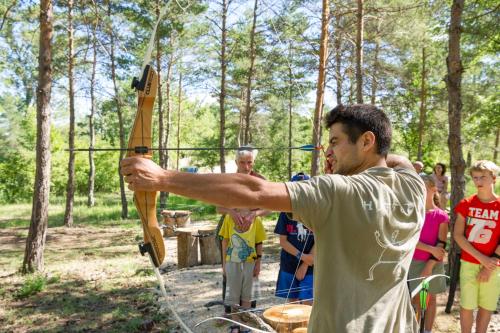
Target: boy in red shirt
[477,232]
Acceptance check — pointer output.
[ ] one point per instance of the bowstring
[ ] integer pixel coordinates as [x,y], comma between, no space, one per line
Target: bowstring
[146,61]
[309,232]
[149,50]
[303,98]
[288,62]
[265,307]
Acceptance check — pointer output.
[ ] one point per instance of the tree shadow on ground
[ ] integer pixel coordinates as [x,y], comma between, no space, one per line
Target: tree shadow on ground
[81,306]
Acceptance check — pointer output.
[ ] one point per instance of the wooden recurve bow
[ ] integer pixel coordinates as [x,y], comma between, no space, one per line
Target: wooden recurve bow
[139,143]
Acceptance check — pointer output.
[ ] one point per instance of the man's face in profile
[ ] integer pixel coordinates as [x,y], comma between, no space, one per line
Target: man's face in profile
[343,156]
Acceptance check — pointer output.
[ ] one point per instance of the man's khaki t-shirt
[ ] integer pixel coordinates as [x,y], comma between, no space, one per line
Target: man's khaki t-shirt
[366,228]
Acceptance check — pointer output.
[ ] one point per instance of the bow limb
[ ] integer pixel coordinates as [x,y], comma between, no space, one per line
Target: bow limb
[426,280]
[141,136]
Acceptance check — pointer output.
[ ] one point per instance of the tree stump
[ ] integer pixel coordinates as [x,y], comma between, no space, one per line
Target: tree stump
[174,219]
[209,251]
[187,248]
[286,318]
[182,218]
[300,330]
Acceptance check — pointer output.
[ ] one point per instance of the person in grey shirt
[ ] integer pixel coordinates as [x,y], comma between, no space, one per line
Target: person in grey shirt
[366,217]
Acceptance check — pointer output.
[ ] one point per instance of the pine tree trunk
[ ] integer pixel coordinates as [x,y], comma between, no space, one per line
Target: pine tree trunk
[159,99]
[35,243]
[222,95]
[251,72]
[453,84]
[290,110]
[91,179]
[373,98]
[168,101]
[359,52]
[70,186]
[497,141]
[320,87]
[179,113]
[241,122]
[338,57]
[350,98]
[119,113]
[423,108]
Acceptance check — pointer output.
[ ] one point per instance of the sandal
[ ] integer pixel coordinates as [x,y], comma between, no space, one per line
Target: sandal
[234,329]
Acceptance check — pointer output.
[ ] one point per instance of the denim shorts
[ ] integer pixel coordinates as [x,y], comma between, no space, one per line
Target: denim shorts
[288,285]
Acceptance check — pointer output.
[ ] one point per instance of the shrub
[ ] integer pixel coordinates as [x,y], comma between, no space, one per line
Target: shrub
[32,285]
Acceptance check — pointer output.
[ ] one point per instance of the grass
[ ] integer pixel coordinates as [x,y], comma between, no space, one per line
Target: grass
[106,212]
[94,279]
[33,284]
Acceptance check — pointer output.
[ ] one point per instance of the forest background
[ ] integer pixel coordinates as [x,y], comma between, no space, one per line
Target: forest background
[403,70]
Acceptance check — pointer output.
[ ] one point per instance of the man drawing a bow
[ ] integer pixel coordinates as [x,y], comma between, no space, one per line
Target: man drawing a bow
[371,198]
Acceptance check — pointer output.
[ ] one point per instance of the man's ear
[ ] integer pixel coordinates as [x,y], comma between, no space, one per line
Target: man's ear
[368,141]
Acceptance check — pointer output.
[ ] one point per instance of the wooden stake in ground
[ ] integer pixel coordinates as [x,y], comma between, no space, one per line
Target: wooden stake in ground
[209,251]
[187,248]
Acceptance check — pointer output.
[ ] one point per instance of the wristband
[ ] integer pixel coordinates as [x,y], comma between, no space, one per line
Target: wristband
[434,258]
[298,255]
[495,255]
[259,256]
[441,242]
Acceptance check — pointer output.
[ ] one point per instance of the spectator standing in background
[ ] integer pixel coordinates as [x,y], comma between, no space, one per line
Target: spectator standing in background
[439,174]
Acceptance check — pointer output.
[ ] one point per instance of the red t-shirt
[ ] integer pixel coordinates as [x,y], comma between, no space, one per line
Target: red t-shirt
[482,225]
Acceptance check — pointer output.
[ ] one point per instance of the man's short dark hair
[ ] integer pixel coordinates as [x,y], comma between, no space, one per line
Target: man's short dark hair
[360,118]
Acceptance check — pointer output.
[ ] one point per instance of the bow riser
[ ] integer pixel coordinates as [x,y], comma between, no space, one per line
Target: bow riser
[141,136]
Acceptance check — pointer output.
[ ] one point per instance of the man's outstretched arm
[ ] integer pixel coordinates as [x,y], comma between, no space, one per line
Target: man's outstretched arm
[398,161]
[228,190]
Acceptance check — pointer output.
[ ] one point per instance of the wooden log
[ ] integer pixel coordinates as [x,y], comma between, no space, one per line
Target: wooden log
[286,318]
[187,247]
[209,252]
[169,230]
[182,218]
[175,219]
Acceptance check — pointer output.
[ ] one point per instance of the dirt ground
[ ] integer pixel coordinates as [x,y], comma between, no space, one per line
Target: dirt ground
[103,285]
[189,302]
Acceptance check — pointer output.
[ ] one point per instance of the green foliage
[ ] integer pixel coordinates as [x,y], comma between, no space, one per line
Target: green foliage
[16,178]
[106,212]
[32,285]
[54,279]
[284,77]
[144,272]
[17,157]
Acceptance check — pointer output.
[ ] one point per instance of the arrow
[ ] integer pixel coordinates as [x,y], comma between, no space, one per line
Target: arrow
[145,150]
